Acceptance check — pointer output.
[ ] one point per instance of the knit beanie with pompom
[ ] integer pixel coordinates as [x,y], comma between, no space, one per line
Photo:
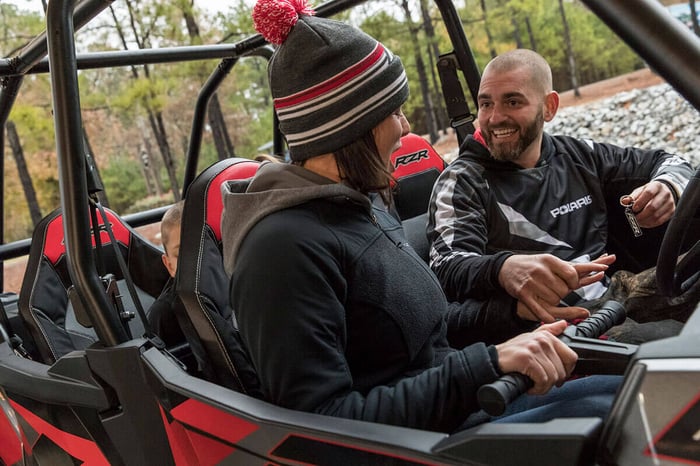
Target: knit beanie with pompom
[331,83]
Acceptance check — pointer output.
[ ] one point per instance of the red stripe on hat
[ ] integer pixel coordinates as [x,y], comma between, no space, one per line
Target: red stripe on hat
[333,83]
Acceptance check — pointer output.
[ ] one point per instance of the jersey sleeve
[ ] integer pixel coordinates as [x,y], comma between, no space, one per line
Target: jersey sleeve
[458,234]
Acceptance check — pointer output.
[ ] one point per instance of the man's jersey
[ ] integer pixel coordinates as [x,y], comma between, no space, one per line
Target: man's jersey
[482,210]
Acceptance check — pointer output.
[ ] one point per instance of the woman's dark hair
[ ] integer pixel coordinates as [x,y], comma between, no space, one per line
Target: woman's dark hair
[361,167]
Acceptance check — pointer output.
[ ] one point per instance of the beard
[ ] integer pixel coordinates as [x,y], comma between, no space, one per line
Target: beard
[511,151]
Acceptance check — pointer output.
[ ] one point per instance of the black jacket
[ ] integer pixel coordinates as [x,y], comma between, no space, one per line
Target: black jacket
[483,210]
[338,312]
[162,318]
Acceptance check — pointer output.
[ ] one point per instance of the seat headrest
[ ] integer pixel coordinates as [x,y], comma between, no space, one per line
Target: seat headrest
[55,246]
[214,204]
[416,167]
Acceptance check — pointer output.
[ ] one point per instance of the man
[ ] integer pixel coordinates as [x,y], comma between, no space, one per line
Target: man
[524,211]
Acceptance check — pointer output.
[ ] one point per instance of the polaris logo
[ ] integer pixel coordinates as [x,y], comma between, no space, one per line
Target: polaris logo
[571,206]
[411,158]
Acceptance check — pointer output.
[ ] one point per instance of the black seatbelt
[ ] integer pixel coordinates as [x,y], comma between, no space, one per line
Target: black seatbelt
[148,331]
[461,118]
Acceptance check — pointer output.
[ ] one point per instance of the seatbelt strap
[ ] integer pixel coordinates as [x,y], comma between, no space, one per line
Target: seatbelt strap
[148,331]
[98,240]
[461,118]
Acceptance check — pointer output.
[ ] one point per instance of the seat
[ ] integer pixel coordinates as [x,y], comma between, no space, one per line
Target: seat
[417,166]
[203,286]
[44,301]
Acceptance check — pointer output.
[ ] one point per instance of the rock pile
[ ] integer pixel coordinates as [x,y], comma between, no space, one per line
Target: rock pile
[653,117]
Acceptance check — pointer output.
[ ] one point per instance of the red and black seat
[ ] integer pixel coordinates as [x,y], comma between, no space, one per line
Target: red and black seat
[203,286]
[45,304]
[417,166]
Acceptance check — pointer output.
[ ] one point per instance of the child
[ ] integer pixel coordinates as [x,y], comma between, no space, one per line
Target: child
[161,314]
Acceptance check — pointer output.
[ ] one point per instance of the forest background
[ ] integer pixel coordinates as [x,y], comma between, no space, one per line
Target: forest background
[137,119]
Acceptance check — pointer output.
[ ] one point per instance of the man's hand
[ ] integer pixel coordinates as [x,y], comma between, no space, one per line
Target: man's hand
[551,313]
[653,204]
[588,272]
[540,355]
[540,281]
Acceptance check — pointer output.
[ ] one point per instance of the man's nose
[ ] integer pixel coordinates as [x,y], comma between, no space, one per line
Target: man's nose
[496,114]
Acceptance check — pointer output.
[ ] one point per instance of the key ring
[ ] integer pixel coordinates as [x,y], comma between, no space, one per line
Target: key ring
[629,199]
[629,214]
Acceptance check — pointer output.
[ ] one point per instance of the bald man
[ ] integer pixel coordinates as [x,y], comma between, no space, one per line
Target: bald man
[525,213]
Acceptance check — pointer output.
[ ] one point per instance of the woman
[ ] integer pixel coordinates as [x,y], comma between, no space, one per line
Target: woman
[339,314]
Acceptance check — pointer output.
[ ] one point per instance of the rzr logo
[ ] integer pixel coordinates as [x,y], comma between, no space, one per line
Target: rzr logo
[411,158]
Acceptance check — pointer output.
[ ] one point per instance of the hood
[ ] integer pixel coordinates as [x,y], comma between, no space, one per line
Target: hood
[275,186]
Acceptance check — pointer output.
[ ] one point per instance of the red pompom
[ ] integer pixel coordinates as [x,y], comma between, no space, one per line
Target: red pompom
[275,18]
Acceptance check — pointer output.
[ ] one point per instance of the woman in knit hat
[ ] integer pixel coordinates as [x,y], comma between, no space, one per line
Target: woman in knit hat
[339,314]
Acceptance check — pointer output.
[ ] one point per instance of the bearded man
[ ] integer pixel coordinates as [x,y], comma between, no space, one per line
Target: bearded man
[533,215]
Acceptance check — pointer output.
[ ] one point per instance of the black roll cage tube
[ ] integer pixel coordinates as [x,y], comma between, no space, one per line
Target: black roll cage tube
[674,55]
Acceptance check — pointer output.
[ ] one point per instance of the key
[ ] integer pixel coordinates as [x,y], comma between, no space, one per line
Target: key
[627,203]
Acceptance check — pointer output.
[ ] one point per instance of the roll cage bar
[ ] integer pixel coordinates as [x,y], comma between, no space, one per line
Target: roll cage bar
[674,55]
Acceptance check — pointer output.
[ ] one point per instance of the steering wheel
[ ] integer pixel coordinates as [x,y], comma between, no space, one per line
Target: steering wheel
[673,277]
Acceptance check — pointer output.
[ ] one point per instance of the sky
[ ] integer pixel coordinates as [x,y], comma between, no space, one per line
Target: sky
[211,5]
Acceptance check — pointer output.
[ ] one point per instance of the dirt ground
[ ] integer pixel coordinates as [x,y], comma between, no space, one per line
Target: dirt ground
[14,269]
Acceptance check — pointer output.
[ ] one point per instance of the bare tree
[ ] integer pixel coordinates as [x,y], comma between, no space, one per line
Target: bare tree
[569,51]
[155,117]
[24,177]
[222,140]
[530,33]
[694,17]
[489,37]
[433,54]
[430,123]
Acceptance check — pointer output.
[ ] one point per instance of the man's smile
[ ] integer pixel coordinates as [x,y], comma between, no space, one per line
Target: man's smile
[503,132]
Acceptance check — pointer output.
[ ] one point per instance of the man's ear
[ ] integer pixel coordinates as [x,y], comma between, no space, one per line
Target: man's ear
[551,105]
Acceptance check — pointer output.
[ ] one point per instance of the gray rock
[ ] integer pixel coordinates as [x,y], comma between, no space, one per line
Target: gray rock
[656,117]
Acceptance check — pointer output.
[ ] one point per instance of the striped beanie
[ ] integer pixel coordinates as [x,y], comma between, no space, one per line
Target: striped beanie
[331,83]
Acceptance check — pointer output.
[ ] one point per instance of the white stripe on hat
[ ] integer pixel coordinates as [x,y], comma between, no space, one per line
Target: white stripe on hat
[328,99]
[348,118]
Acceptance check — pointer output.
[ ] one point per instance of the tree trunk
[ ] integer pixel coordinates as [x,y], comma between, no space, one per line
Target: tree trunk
[158,127]
[24,177]
[694,17]
[102,194]
[489,37]
[151,186]
[430,123]
[569,51]
[516,32]
[151,163]
[222,140]
[530,34]
[155,119]
[433,55]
